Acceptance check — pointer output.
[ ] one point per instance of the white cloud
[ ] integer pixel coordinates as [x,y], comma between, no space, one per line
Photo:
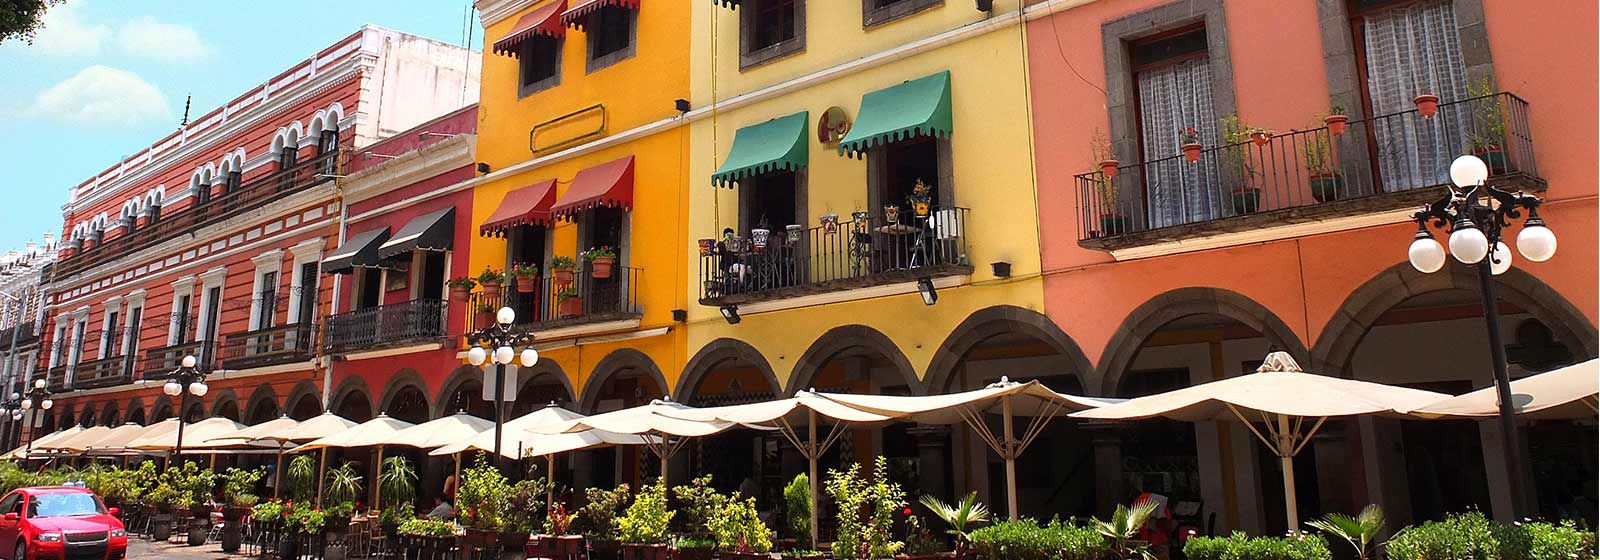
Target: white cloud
[63,33]
[102,96]
[148,37]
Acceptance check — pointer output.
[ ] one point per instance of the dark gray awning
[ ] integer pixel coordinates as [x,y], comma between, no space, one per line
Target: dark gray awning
[434,231]
[360,250]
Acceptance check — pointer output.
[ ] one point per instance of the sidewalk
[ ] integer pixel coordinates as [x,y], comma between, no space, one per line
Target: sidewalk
[141,549]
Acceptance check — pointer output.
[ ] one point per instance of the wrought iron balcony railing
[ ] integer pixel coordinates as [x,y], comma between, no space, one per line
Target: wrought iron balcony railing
[56,378]
[109,372]
[861,252]
[158,362]
[412,322]
[267,347]
[559,301]
[1383,163]
[249,195]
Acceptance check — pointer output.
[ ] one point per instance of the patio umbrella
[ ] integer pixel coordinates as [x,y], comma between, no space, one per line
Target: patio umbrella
[285,430]
[196,433]
[114,438]
[23,453]
[1279,395]
[376,432]
[1560,394]
[75,442]
[116,442]
[659,425]
[437,433]
[1008,398]
[805,407]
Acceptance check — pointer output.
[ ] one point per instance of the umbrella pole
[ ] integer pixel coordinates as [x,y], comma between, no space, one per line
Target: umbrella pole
[322,470]
[213,466]
[1011,459]
[1286,457]
[277,487]
[458,477]
[377,489]
[811,456]
[550,490]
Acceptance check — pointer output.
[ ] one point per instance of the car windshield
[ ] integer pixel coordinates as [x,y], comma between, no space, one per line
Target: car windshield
[63,505]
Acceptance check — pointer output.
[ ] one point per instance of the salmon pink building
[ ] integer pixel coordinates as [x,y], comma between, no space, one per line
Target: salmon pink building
[1221,178]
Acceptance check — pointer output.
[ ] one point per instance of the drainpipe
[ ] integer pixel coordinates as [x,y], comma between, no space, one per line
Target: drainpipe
[327,370]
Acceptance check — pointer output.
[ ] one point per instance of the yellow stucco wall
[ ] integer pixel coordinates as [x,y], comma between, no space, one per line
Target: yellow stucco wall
[990,146]
[635,91]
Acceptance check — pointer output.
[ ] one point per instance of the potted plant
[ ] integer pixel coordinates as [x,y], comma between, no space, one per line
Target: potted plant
[867,507]
[920,542]
[739,532]
[561,266]
[398,483]
[962,517]
[568,303]
[1121,532]
[1327,184]
[238,491]
[1100,147]
[797,511]
[600,260]
[557,541]
[343,487]
[1259,136]
[483,315]
[643,528]
[430,538]
[164,497]
[525,513]
[700,507]
[1112,222]
[1487,140]
[460,288]
[482,503]
[597,521]
[1246,200]
[1336,120]
[1189,140]
[1427,104]
[527,277]
[1237,165]
[491,280]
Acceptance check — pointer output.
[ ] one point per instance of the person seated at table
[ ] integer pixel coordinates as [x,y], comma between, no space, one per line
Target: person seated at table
[442,510]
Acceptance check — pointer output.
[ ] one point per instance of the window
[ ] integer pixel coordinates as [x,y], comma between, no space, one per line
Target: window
[369,289]
[269,300]
[604,227]
[539,65]
[130,344]
[213,313]
[525,245]
[181,319]
[894,170]
[288,156]
[1411,49]
[306,293]
[78,333]
[109,341]
[875,12]
[770,29]
[772,201]
[611,31]
[1172,92]
[428,279]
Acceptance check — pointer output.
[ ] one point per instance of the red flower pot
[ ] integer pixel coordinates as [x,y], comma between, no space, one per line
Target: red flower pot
[483,319]
[1260,138]
[602,267]
[563,276]
[459,294]
[527,284]
[491,289]
[1427,104]
[1191,152]
[1336,124]
[1109,168]
[570,307]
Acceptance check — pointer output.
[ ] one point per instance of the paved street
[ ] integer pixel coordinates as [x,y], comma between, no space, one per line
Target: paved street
[141,549]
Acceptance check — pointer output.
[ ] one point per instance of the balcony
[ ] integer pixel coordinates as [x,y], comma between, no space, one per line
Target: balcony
[268,347]
[1384,164]
[413,322]
[23,332]
[56,378]
[558,302]
[247,196]
[158,362]
[109,372]
[863,252]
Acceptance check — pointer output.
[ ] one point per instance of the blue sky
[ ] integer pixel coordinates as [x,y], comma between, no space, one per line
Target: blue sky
[106,78]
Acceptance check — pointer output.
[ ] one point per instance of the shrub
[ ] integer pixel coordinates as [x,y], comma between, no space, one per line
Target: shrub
[597,519]
[698,504]
[647,519]
[1240,547]
[485,497]
[1468,536]
[797,508]
[866,511]
[398,483]
[1545,541]
[428,528]
[738,526]
[240,485]
[1025,539]
[267,511]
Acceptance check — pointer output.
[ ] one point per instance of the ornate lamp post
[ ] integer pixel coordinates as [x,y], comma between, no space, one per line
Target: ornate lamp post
[182,382]
[36,399]
[1476,215]
[10,411]
[498,342]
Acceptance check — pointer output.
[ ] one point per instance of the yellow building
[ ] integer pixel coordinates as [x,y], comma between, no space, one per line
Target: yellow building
[575,127]
[862,199]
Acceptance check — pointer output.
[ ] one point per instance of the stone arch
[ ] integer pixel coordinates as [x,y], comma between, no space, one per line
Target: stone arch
[262,406]
[1344,331]
[136,412]
[405,378]
[1183,302]
[109,415]
[352,387]
[546,368]
[86,418]
[839,339]
[300,393]
[717,352]
[441,405]
[618,361]
[989,322]
[194,411]
[161,409]
[224,398]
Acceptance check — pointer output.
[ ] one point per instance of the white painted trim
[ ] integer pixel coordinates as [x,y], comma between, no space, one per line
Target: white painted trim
[306,252]
[264,370]
[393,351]
[491,12]
[1264,235]
[214,278]
[857,294]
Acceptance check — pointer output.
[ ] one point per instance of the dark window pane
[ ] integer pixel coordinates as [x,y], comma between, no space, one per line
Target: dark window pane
[774,23]
[609,31]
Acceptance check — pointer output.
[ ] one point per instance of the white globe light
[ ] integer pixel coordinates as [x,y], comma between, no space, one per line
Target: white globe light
[476,355]
[172,389]
[529,357]
[1469,245]
[1468,171]
[47,404]
[505,316]
[1500,262]
[1537,243]
[199,389]
[504,355]
[188,361]
[16,415]
[15,395]
[38,383]
[1427,255]
[27,404]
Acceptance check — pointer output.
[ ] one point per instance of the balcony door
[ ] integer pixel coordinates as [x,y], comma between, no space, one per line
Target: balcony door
[307,299]
[1411,49]
[604,227]
[269,300]
[1172,78]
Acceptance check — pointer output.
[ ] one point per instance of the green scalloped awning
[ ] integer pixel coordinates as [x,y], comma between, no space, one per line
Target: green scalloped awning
[776,145]
[919,107]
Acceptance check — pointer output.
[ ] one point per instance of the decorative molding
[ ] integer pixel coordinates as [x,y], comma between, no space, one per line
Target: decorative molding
[410,168]
[310,249]
[268,259]
[1263,235]
[354,356]
[215,275]
[491,12]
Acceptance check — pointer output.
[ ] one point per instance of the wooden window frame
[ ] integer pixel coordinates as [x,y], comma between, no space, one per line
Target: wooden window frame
[873,16]
[746,220]
[597,63]
[749,55]
[525,54]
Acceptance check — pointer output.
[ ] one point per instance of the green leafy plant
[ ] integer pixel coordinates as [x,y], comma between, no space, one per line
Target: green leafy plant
[344,484]
[462,282]
[598,517]
[738,526]
[566,294]
[267,511]
[398,482]
[483,498]
[1122,530]
[490,276]
[1488,118]
[697,504]
[1468,535]
[962,517]
[797,508]
[1360,531]
[525,502]
[304,518]
[428,528]
[1537,540]
[558,521]
[562,261]
[920,540]
[301,481]
[391,518]
[647,519]
[524,271]
[239,486]
[1239,546]
[341,510]
[866,511]
[1026,539]
[601,252]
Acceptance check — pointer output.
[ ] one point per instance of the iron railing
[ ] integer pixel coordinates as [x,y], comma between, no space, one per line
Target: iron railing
[158,362]
[1382,163]
[249,195]
[108,372]
[24,332]
[864,251]
[557,300]
[56,379]
[266,347]
[415,321]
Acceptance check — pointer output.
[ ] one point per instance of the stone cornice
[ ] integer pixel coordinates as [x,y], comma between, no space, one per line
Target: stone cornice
[491,12]
[410,168]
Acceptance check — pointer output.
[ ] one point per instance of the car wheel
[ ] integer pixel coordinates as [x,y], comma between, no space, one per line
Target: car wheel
[20,554]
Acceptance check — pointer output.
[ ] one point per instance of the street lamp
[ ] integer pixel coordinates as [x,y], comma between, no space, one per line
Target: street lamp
[182,382]
[39,395]
[1476,215]
[498,343]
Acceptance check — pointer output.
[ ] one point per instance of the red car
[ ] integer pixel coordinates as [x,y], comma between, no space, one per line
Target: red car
[59,522]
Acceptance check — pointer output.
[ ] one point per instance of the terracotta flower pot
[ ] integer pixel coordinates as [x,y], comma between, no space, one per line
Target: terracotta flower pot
[646,552]
[527,284]
[483,319]
[1336,124]
[1260,138]
[570,307]
[491,289]
[1109,168]
[602,267]
[564,276]
[1191,152]
[1427,104]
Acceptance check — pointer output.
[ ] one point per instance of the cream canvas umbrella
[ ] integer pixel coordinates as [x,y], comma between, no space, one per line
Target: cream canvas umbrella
[659,425]
[1278,395]
[284,431]
[75,442]
[376,432]
[1007,398]
[437,433]
[115,439]
[116,443]
[805,408]
[1560,394]
[44,440]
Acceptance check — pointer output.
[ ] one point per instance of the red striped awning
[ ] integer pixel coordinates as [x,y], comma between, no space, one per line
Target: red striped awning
[608,184]
[575,15]
[545,20]
[527,205]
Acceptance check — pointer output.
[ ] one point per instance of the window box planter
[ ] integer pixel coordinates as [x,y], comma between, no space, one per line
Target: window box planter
[564,546]
[731,555]
[604,549]
[1246,200]
[513,541]
[1326,187]
[696,553]
[480,538]
[1495,158]
[570,307]
[1191,152]
[1427,104]
[646,552]
[1336,124]
[808,556]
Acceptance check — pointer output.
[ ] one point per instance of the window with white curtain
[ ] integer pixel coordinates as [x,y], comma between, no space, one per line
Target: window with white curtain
[1411,50]
[1173,78]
